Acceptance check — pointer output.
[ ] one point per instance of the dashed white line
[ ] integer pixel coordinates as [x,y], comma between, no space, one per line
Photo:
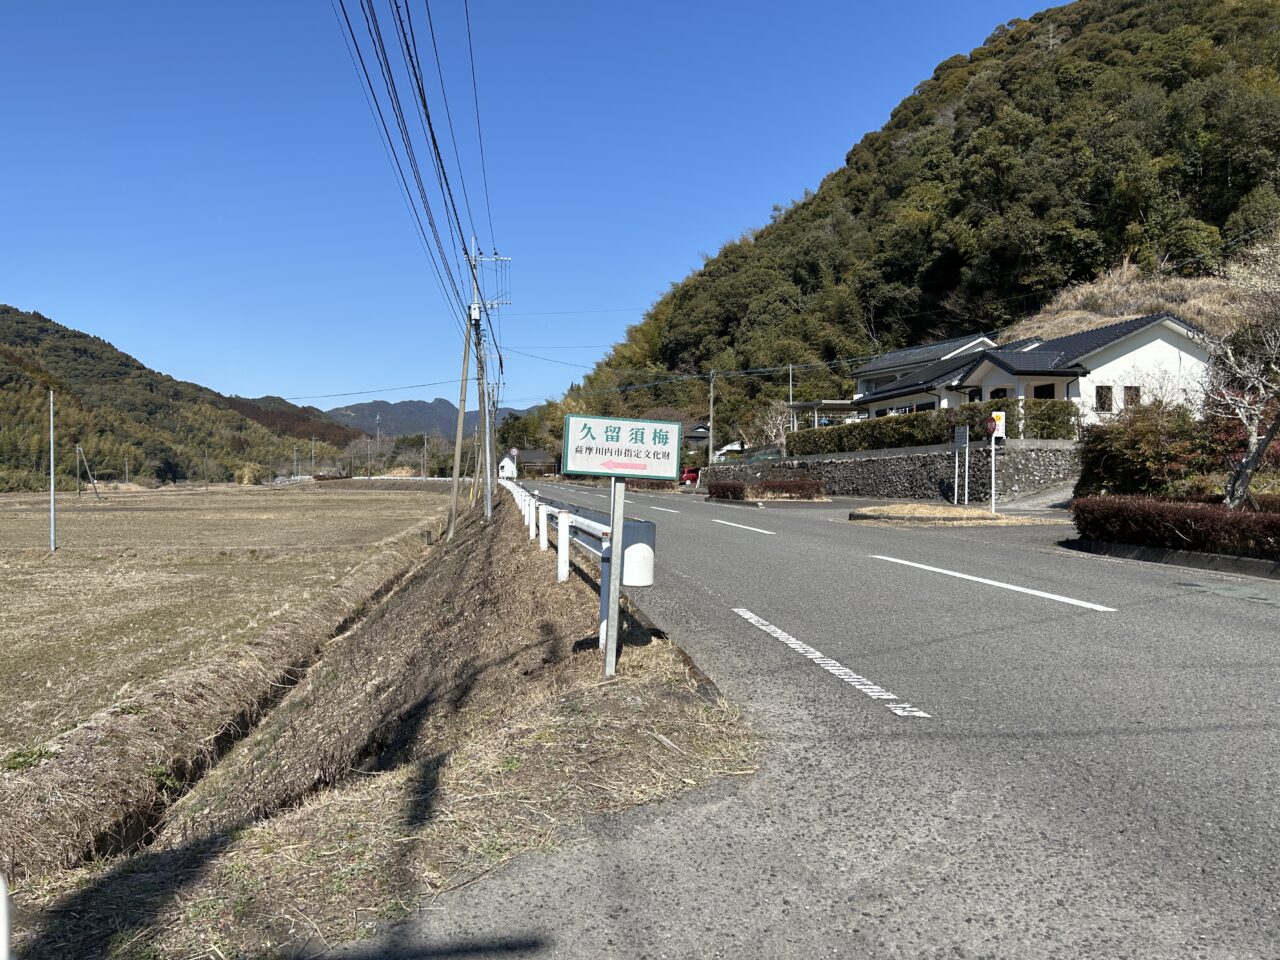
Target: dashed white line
[663,509]
[1002,586]
[741,526]
[872,690]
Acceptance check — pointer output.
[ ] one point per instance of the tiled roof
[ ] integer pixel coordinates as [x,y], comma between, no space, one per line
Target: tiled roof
[925,354]
[1033,361]
[940,372]
[1076,345]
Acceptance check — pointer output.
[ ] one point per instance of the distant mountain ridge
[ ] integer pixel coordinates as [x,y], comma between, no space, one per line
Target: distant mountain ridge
[435,418]
[127,416]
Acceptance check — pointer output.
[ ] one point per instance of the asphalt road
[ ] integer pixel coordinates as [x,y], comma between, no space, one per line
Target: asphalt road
[951,768]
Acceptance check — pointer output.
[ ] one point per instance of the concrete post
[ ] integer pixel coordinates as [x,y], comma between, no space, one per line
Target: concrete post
[606,556]
[543,544]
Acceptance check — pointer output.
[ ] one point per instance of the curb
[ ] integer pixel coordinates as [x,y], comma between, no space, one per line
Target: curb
[1217,562]
[855,515]
[736,503]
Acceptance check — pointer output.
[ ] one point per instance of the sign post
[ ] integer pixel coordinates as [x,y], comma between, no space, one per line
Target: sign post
[961,439]
[995,427]
[619,448]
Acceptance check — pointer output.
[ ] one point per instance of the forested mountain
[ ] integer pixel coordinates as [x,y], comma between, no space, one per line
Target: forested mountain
[437,418]
[116,408]
[1094,134]
[281,416]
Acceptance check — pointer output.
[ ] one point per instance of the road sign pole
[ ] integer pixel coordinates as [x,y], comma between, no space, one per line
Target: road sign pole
[617,548]
[993,473]
[966,475]
[955,484]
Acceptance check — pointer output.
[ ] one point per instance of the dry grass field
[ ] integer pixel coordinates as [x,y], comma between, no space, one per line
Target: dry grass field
[148,582]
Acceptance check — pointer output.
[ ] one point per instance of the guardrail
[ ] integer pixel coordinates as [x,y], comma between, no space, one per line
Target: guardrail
[572,526]
[4,919]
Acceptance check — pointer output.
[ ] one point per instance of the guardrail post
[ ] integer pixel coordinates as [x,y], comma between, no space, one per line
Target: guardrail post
[4,919]
[606,556]
[562,545]
[542,527]
[533,520]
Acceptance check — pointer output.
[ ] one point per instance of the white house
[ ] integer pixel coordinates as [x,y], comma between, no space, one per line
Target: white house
[507,468]
[1102,370]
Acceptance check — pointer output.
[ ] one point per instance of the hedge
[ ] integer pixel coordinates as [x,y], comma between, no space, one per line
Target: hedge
[1041,419]
[1267,502]
[791,489]
[727,489]
[1172,525]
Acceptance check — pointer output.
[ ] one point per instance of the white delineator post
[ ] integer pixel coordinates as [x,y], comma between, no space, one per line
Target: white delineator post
[606,555]
[562,545]
[955,484]
[53,509]
[4,919]
[617,548]
[543,543]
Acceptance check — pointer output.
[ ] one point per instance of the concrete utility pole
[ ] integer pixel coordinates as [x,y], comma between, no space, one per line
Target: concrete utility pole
[295,465]
[53,509]
[126,468]
[479,305]
[711,426]
[791,397]
[313,456]
[457,437]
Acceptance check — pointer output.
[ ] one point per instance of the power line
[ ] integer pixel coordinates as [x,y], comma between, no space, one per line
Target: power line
[475,93]
[361,393]
[371,97]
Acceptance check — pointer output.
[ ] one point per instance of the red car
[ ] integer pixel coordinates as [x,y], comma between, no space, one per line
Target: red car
[689,474]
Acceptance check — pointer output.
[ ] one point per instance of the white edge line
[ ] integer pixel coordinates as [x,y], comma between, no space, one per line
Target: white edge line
[836,669]
[741,526]
[663,509]
[997,583]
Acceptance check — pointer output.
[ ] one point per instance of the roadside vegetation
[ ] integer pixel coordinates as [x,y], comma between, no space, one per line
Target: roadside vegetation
[460,722]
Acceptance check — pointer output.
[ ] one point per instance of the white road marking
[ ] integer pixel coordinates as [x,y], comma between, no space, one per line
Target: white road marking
[663,509]
[744,527]
[872,690]
[997,583]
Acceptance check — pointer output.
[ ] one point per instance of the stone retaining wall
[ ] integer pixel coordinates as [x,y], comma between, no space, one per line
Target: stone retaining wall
[919,476]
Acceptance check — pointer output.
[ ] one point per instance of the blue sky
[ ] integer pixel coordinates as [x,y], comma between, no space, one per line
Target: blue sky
[203,185]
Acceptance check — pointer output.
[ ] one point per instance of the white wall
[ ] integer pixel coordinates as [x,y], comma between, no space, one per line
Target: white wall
[1165,364]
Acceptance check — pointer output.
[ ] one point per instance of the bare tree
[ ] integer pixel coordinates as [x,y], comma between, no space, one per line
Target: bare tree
[1244,384]
[769,425]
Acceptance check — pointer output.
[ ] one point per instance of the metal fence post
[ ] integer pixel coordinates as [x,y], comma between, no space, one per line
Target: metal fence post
[562,545]
[606,557]
[542,527]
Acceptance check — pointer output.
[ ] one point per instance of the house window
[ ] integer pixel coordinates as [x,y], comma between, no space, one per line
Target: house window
[925,406]
[882,412]
[1102,399]
[1132,396]
[1043,391]
[975,395]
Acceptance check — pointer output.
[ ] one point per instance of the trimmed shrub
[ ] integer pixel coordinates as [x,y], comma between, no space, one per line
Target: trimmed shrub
[1267,502]
[1040,420]
[791,489]
[1178,526]
[727,489]
[651,484]
[1145,449]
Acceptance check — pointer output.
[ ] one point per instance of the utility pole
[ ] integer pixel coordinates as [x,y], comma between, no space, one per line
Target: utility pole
[368,455]
[295,464]
[479,306]
[126,468]
[313,456]
[53,509]
[791,397]
[711,428]
[206,470]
